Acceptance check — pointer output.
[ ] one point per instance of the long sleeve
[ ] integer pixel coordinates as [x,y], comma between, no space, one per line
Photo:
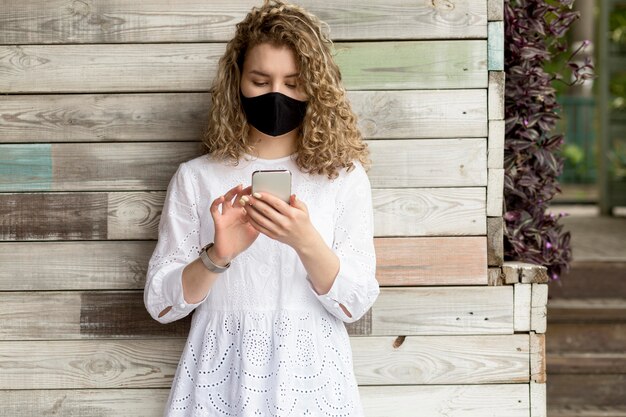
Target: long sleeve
[355,286]
[178,244]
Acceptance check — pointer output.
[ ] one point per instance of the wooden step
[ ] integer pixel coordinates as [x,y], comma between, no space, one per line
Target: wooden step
[585,363]
[608,390]
[594,310]
[586,338]
[591,279]
[587,348]
[586,411]
[597,238]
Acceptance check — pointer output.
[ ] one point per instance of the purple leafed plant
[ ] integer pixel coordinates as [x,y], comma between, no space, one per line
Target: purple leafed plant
[534,35]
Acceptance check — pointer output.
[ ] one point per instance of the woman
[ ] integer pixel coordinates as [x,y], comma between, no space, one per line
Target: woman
[274,282]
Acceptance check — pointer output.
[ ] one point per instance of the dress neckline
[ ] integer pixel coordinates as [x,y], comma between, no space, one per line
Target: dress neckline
[258,159]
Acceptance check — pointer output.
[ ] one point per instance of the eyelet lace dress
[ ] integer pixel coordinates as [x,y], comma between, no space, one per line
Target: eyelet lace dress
[263,342]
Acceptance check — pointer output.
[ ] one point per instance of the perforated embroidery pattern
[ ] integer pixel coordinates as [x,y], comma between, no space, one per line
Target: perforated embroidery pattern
[262,345]
[282,369]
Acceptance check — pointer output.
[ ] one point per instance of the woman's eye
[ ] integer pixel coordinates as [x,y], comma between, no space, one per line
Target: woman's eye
[291,85]
[258,83]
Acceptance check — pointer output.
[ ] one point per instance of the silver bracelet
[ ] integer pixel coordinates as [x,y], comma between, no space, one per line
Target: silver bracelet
[208,263]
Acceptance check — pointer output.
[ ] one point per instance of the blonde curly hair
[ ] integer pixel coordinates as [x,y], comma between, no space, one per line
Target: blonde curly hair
[328,137]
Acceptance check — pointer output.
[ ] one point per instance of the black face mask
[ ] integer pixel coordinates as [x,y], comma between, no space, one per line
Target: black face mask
[273,113]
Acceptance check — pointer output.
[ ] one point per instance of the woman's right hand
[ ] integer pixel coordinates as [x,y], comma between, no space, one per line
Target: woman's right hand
[233,232]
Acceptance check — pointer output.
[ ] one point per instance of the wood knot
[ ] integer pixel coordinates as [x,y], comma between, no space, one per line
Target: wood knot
[100,366]
[79,8]
[398,342]
[446,5]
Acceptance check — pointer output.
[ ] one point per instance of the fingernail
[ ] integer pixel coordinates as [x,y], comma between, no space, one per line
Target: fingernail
[245,211]
[245,198]
[242,201]
[257,195]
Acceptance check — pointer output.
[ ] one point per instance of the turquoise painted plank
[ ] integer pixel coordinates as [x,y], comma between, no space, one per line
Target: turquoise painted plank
[26,167]
[495,46]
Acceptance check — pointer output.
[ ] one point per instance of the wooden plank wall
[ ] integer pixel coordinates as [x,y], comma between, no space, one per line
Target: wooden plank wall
[101,102]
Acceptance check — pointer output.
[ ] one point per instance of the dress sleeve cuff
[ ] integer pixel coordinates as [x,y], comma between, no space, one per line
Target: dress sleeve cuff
[173,290]
[330,300]
[356,297]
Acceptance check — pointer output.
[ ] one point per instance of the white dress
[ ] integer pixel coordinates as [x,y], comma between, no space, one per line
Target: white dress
[263,342]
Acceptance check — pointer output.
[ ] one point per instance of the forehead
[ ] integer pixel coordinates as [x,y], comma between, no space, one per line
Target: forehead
[270,59]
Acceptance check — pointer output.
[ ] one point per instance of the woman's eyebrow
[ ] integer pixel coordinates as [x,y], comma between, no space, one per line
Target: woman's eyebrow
[263,74]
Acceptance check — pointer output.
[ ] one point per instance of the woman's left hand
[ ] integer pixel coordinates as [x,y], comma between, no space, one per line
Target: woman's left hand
[287,223]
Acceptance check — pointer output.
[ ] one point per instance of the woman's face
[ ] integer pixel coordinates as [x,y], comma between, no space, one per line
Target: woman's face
[267,68]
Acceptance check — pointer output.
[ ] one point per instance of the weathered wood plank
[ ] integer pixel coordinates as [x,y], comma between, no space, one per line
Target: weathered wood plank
[533,274]
[387,65]
[96,265]
[94,166]
[538,307]
[511,272]
[523,296]
[401,114]
[135,215]
[538,400]
[495,191]
[426,261]
[430,211]
[122,265]
[441,359]
[426,162]
[495,10]
[143,402]
[495,46]
[31,164]
[436,401]
[495,102]
[149,166]
[25,316]
[125,21]
[103,117]
[421,113]
[89,364]
[537,357]
[495,276]
[433,64]
[495,241]
[469,401]
[525,272]
[495,144]
[397,311]
[115,314]
[53,216]
[453,310]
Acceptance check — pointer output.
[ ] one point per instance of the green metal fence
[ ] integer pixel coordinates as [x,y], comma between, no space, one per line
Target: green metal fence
[579,126]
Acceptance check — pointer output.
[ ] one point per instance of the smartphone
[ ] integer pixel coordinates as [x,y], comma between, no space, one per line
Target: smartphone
[274,181]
